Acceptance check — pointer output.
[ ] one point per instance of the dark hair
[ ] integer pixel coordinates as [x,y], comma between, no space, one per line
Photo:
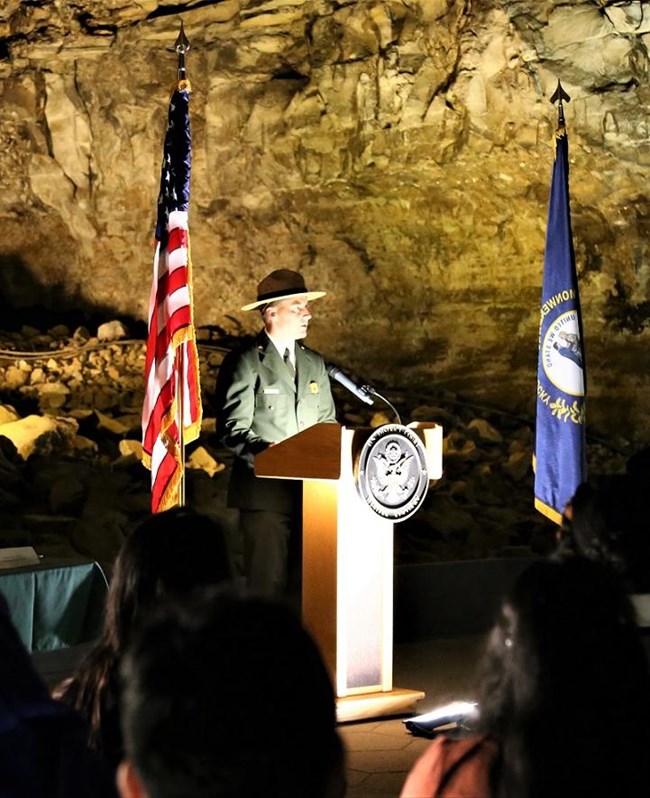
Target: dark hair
[170,553]
[565,686]
[609,524]
[638,466]
[226,696]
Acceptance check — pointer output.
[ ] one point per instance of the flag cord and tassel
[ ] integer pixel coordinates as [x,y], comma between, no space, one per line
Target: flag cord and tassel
[182,45]
[180,423]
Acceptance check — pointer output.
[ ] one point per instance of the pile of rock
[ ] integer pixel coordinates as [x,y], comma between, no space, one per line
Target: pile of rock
[70,454]
[70,450]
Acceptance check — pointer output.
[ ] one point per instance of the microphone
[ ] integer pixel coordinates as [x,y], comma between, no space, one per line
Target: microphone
[360,391]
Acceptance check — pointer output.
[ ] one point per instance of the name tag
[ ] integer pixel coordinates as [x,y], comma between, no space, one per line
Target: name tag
[268,391]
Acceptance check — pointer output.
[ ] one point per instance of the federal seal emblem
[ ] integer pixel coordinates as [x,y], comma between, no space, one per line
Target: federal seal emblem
[562,354]
[391,472]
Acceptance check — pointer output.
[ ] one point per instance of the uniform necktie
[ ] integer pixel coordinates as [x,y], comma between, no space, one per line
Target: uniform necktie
[289,364]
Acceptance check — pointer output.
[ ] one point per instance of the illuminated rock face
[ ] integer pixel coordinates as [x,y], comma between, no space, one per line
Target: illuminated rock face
[398,153]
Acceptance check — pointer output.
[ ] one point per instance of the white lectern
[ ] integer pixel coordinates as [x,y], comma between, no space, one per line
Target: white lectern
[347,587]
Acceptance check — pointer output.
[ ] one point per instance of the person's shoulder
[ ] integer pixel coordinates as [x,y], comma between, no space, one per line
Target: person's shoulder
[451,750]
[452,766]
[310,354]
[246,348]
[456,749]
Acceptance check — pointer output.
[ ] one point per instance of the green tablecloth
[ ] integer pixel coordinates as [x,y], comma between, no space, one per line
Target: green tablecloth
[55,604]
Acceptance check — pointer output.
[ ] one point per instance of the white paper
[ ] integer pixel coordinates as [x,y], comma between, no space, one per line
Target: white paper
[18,557]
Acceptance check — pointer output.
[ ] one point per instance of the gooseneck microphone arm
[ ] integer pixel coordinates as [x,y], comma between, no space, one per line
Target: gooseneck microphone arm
[383,399]
[360,391]
[363,392]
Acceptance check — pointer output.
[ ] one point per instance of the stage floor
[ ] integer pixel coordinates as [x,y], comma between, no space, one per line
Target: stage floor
[380,752]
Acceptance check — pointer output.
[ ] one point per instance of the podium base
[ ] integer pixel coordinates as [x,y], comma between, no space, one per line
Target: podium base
[376,705]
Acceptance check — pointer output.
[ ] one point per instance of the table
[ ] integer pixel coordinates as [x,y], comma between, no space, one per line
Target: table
[56,604]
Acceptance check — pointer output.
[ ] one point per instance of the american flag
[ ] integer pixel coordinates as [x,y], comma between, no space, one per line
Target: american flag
[171,372]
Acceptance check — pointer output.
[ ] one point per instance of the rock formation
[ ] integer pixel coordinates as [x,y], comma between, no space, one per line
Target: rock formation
[396,151]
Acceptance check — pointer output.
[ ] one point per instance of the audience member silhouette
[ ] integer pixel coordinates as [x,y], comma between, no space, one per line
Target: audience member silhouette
[228,697]
[609,524]
[170,554]
[43,743]
[564,696]
[638,467]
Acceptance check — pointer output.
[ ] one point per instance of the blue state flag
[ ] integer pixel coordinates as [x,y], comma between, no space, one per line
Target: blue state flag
[559,460]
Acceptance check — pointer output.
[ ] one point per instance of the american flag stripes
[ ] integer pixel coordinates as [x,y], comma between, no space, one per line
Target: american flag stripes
[172,384]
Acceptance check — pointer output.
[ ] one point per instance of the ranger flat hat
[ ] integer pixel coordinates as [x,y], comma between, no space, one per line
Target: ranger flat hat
[282,284]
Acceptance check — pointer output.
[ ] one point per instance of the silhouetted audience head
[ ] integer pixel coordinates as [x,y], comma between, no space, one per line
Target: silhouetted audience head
[170,554]
[638,467]
[43,748]
[609,524]
[228,697]
[565,686]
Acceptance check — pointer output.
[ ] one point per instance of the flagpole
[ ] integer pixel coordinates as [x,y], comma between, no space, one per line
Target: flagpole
[182,45]
[558,96]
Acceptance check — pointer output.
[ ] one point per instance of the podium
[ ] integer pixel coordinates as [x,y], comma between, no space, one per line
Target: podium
[347,576]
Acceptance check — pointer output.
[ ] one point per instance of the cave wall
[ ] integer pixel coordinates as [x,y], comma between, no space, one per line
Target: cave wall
[398,152]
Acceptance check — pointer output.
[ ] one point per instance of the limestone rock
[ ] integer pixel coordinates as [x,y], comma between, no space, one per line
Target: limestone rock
[81,413]
[112,331]
[202,459]
[132,422]
[208,425]
[60,331]
[14,378]
[27,331]
[7,414]
[112,425]
[457,446]
[379,419]
[81,335]
[131,449]
[39,434]
[52,395]
[103,399]
[518,465]
[84,446]
[485,430]
[37,376]
[10,460]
